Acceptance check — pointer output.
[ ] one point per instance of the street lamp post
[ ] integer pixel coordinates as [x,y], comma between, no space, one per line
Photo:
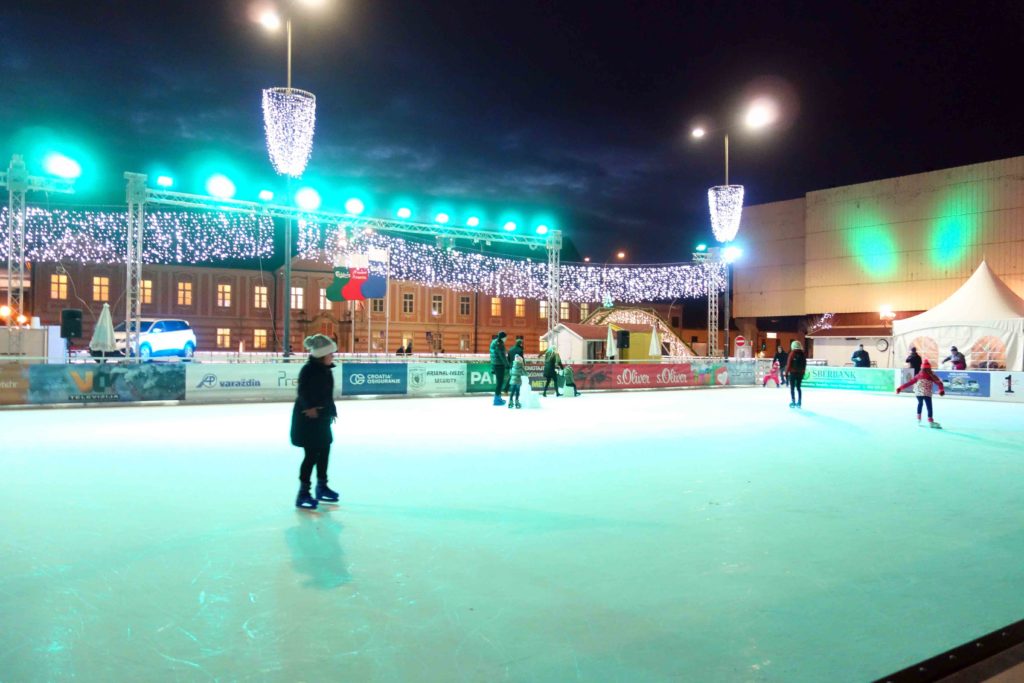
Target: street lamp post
[726,201]
[289,117]
[603,297]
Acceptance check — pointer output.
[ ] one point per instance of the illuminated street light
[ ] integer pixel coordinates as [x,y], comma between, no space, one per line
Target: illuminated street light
[542,229]
[266,195]
[698,132]
[270,20]
[165,181]
[510,226]
[354,206]
[473,221]
[5,312]
[762,112]
[404,212]
[441,218]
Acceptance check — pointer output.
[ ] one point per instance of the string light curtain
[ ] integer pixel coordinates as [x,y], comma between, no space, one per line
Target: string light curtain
[289,119]
[726,205]
[53,235]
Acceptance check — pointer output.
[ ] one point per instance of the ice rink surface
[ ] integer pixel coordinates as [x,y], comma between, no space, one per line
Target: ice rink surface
[708,535]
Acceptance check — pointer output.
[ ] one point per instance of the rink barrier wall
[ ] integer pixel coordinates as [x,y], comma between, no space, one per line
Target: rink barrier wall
[37,384]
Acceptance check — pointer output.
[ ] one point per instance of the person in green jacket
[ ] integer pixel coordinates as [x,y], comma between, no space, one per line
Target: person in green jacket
[499,364]
[551,361]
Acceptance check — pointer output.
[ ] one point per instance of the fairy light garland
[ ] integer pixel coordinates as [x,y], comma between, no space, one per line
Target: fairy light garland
[435,266]
[170,236]
[289,120]
[183,237]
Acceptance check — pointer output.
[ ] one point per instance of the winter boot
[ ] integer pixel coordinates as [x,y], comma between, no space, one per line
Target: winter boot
[304,500]
[324,493]
[499,401]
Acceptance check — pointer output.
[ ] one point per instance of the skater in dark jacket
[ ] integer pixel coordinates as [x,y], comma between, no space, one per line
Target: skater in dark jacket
[499,366]
[781,357]
[914,360]
[923,382]
[552,363]
[796,366]
[312,415]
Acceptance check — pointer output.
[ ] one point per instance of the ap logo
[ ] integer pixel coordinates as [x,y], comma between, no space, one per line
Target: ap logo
[208,380]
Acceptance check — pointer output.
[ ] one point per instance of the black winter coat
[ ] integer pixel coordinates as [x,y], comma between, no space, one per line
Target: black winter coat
[914,360]
[316,389]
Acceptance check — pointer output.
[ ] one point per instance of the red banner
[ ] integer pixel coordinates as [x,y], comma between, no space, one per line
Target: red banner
[653,376]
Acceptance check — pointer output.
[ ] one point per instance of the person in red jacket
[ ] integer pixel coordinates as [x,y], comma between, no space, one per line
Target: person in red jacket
[773,375]
[923,382]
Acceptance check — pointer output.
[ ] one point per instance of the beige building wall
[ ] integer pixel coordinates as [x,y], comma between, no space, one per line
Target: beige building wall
[907,242]
[770,278]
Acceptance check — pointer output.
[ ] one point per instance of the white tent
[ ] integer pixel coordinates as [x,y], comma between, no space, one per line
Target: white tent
[984,319]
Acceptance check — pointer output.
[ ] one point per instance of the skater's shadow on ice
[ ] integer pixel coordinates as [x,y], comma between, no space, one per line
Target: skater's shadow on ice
[315,545]
[825,420]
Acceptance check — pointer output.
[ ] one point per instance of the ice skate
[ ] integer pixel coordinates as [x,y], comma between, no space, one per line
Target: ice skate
[499,401]
[324,493]
[518,404]
[305,501]
[934,425]
[792,404]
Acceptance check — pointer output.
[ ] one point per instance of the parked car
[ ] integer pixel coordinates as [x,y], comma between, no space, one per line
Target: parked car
[160,337]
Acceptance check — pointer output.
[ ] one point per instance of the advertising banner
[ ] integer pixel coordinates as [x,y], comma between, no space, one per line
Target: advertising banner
[651,376]
[860,379]
[106,383]
[1007,386]
[479,378]
[229,382]
[962,383]
[437,378]
[364,379]
[13,384]
[743,373]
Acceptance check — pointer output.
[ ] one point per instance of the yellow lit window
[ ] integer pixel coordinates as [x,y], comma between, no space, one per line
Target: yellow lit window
[101,288]
[223,338]
[520,308]
[184,293]
[496,306]
[223,296]
[58,286]
[260,296]
[146,291]
[259,339]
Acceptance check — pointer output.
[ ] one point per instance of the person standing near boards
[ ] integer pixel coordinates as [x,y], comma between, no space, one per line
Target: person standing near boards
[796,366]
[312,415]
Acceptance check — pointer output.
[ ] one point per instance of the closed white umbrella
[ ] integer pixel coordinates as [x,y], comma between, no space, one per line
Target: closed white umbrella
[103,336]
[610,350]
[655,350]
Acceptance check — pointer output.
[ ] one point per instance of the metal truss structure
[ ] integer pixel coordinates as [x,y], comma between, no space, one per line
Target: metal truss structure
[711,258]
[139,195]
[19,183]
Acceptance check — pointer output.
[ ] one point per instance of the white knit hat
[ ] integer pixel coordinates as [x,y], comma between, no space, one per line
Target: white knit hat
[319,345]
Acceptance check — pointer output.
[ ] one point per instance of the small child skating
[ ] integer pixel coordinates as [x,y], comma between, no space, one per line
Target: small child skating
[923,382]
[570,380]
[515,382]
[773,375]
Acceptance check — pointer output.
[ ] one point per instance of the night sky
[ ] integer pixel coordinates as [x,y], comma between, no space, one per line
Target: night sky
[580,108]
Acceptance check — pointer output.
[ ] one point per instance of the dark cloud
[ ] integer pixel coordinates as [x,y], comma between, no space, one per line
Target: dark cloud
[578,107]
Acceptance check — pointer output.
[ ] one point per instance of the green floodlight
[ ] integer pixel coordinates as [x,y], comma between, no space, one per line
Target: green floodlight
[473,221]
[441,218]
[220,186]
[307,199]
[266,196]
[61,166]
[542,229]
[405,212]
[354,206]
[702,247]
[510,226]
[165,181]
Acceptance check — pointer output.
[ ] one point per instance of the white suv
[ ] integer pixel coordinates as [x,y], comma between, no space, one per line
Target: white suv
[160,337]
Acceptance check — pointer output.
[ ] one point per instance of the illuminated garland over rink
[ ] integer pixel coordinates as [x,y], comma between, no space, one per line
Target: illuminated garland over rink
[191,237]
[496,276]
[171,237]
